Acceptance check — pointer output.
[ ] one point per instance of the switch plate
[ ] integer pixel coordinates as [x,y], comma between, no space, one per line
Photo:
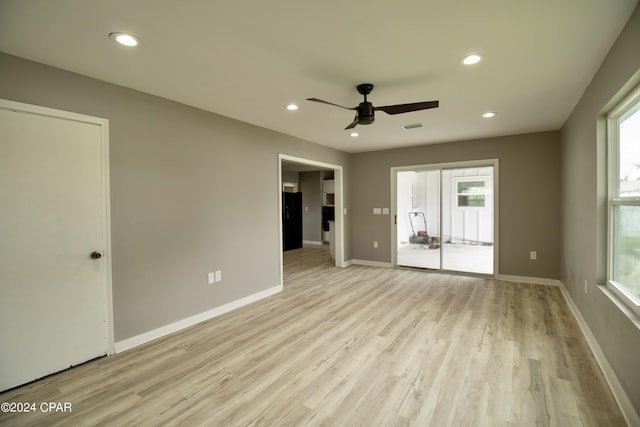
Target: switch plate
[211,277]
[533,255]
[377,211]
[385,211]
[375,244]
[218,275]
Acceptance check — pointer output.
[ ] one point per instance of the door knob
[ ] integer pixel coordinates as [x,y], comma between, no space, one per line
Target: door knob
[96,255]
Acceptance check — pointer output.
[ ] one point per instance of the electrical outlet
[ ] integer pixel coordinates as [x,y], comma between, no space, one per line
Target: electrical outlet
[211,277]
[218,275]
[375,244]
[533,255]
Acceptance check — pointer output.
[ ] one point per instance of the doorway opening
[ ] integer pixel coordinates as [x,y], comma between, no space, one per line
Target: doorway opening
[446,216]
[323,185]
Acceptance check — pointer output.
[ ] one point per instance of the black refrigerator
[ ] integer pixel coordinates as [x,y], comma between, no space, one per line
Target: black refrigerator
[291,221]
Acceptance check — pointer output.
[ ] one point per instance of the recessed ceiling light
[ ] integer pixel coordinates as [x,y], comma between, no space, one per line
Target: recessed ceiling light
[354,134]
[471,59]
[292,107]
[489,114]
[126,39]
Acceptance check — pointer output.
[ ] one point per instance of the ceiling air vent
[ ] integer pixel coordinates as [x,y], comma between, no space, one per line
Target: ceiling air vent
[413,126]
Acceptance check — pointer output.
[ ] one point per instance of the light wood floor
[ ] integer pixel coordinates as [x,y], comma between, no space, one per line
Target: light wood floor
[359,346]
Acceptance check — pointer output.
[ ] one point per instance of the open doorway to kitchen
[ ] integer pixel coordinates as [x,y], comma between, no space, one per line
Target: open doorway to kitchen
[445,216]
[324,217]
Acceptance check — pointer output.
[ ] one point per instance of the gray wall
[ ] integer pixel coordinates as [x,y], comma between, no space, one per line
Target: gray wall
[311,188]
[290,176]
[584,211]
[529,187]
[191,192]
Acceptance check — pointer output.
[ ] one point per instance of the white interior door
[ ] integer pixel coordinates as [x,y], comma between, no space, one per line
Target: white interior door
[53,304]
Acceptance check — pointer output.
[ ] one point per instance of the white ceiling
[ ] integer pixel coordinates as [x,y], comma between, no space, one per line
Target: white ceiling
[249,59]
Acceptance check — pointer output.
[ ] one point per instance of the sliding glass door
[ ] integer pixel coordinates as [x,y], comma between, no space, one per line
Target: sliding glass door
[445,218]
[418,219]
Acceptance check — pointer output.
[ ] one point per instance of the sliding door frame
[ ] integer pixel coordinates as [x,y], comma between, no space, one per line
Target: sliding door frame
[440,166]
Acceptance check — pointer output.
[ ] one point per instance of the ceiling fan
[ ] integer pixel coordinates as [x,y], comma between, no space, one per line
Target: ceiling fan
[365,110]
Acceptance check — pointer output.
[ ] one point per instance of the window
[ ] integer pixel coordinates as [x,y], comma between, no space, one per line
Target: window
[624,199]
[471,193]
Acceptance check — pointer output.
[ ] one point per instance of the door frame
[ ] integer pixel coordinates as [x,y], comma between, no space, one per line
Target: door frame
[338,203]
[106,229]
[454,202]
[449,165]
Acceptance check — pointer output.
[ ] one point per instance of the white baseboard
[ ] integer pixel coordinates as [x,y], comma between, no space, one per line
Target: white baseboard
[530,280]
[312,242]
[371,263]
[145,337]
[628,411]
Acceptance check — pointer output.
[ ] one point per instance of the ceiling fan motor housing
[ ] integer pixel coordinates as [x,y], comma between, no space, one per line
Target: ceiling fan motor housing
[365,113]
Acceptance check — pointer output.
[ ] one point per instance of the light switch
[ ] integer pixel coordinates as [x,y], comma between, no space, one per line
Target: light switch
[385,211]
[211,277]
[377,211]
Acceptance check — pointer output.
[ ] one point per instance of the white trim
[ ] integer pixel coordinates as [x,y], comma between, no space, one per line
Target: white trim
[630,301]
[622,304]
[107,236]
[529,280]
[371,263]
[106,229]
[162,331]
[630,104]
[626,407]
[312,242]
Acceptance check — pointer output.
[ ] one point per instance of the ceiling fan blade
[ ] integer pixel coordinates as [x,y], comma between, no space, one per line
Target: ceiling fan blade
[353,124]
[406,108]
[329,103]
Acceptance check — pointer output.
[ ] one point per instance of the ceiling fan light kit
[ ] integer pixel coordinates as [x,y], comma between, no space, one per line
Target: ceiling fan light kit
[365,111]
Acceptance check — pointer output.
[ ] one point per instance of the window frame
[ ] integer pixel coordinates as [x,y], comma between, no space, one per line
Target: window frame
[467,179]
[629,103]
